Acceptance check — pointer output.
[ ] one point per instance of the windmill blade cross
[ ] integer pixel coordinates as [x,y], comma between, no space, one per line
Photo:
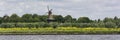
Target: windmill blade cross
[48,8]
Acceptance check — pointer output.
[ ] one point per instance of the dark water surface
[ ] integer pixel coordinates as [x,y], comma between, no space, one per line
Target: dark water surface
[59,37]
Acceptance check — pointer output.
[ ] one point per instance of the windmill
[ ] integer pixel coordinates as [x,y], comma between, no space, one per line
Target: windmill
[50,16]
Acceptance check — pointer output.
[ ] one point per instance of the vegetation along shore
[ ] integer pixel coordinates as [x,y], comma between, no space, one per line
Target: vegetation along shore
[37,24]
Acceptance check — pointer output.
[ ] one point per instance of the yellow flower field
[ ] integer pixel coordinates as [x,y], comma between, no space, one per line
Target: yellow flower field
[60,30]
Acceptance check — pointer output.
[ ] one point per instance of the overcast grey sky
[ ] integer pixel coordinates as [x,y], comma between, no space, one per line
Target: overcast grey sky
[94,9]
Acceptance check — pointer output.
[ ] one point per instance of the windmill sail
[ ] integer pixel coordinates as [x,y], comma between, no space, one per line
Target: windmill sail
[48,8]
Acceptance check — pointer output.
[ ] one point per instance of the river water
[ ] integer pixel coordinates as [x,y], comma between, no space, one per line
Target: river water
[59,37]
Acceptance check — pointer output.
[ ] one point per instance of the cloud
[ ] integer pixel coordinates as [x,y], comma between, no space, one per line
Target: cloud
[93,9]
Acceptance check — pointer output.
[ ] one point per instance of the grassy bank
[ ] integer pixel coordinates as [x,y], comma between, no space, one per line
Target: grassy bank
[60,30]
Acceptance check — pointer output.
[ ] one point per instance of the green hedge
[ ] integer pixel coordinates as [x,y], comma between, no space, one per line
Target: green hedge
[42,24]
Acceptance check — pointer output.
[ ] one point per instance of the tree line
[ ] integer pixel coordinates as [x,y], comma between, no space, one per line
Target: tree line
[28,18]
[35,20]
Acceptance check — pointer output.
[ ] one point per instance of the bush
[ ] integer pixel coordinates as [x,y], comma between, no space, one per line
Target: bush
[7,25]
[84,25]
[118,25]
[110,25]
[75,24]
[65,25]
[54,25]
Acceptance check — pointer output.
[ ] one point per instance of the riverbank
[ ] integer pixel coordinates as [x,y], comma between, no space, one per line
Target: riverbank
[58,31]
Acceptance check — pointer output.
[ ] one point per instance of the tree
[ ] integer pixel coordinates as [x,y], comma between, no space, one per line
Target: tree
[27,18]
[68,18]
[84,20]
[99,20]
[35,18]
[14,18]
[108,19]
[116,18]
[0,20]
[5,18]
[59,18]
[74,20]
[43,18]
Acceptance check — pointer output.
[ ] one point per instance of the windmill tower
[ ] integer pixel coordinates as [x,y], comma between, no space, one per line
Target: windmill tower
[50,16]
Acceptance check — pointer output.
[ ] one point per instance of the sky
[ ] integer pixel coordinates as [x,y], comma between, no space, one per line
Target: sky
[94,9]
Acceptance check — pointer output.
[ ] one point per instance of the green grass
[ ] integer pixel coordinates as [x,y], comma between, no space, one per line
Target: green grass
[60,30]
